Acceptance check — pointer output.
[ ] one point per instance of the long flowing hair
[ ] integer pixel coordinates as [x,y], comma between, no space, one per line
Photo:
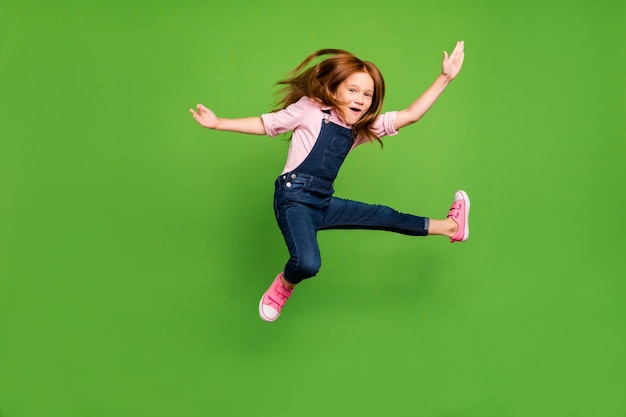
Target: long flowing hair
[320,81]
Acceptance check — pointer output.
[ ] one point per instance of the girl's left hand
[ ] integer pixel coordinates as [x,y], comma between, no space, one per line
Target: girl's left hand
[452,64]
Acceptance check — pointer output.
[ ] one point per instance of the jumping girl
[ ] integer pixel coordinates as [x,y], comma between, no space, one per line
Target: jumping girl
[332,107]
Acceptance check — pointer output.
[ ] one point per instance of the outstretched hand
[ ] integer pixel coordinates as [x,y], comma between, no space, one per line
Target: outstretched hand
[452,64]
[204,116]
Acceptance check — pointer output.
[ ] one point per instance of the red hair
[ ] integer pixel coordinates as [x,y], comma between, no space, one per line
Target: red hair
[321,81]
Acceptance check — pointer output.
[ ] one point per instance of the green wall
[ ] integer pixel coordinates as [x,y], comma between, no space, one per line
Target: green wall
[134,245]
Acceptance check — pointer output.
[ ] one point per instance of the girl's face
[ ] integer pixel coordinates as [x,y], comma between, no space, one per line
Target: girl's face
[355,96]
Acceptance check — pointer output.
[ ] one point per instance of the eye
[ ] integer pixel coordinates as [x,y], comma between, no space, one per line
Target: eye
[352,90]
[368,95]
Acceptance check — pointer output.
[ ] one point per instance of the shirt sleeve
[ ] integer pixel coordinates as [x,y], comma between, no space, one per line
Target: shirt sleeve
[383,125]
[286,119]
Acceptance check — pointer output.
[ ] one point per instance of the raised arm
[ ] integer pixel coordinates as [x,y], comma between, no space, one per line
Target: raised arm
[450,68]
[208,119]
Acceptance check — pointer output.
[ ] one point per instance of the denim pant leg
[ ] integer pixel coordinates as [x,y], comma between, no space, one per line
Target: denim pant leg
[299,224]
[348,214]
[299,204]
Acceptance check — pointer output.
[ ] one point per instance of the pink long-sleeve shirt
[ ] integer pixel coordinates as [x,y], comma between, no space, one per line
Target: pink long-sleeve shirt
[305,117]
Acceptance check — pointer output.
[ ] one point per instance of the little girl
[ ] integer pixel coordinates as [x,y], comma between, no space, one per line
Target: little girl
[332,107]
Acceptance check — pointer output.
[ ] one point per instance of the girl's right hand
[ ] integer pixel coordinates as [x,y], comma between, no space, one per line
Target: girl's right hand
[204,116]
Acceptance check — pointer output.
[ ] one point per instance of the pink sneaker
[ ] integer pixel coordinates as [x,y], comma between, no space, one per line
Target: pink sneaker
[459,212]
[274,299]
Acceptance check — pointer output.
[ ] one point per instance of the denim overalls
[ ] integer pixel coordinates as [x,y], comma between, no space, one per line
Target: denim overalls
[304,204]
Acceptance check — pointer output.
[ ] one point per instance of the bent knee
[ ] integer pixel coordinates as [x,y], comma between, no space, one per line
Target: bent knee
[307,268]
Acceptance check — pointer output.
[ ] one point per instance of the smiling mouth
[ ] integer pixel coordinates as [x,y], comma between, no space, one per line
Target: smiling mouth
[354,109]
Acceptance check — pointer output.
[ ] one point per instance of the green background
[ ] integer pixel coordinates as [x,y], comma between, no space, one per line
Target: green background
[134,245]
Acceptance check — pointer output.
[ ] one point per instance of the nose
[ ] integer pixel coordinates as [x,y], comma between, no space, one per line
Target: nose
[359,99]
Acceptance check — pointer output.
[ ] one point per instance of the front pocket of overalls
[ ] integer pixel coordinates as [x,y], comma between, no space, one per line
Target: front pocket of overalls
[292,189]
[331,162]
[311,195]
[319,191]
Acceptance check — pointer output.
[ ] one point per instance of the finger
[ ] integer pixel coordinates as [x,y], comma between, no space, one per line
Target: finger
[445,56]
[457,49]
[202,107]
